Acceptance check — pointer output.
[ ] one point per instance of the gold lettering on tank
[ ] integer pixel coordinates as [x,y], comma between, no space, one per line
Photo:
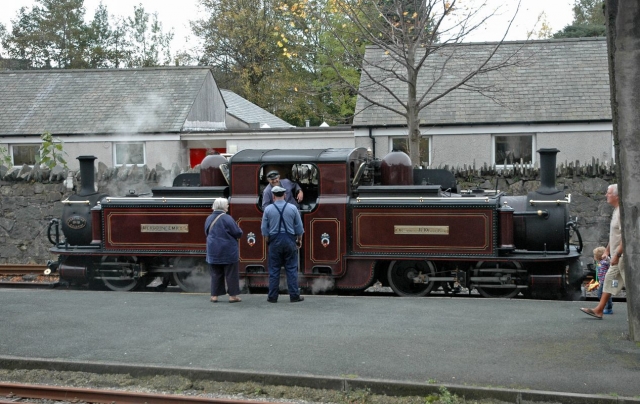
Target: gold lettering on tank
[164,228]
[430,230]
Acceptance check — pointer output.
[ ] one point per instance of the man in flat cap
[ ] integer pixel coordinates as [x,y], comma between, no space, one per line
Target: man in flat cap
[282,229]
[293,193]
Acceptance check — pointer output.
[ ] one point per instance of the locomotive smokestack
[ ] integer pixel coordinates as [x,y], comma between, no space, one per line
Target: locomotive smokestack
[87,173]
[548,171]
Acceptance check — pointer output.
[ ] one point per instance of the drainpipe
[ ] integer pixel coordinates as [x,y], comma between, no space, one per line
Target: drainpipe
[373,142]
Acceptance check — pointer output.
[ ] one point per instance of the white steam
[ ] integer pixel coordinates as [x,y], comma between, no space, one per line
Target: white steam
[322,285]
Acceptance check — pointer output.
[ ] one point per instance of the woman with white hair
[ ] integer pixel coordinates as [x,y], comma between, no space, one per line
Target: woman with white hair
[222,251]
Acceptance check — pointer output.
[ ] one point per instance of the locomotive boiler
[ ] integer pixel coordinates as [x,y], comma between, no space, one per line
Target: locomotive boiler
[365,220]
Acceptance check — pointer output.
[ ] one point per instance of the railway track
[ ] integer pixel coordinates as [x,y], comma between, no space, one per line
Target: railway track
[15,393]
[13,275]
[26,276]
[21,269]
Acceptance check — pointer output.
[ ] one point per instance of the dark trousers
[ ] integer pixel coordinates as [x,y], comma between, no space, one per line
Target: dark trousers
[222,272]
[283,252]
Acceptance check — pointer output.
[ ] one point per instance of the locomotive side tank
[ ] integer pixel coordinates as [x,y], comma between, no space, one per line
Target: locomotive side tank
[365,220]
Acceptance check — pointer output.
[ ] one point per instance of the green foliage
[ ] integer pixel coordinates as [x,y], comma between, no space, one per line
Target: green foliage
[238,41]
[260,52]
[581,31]
[3,34]
[446,397]
[150,43]
[588,20]
[5,157]
[50,34]
[588,12]
[51,153]
[53,34]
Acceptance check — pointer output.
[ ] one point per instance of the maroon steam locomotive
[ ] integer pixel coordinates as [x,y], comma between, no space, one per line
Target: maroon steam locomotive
[365,220]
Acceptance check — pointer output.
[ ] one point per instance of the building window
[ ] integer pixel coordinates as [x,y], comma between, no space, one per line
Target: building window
[24,154]
[129,154]
[400,144]
[514,149]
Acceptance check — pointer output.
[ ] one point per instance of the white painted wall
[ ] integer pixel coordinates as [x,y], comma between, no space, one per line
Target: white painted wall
[235,141]
[459,145]
[458,150]
[165,153]
[579,146]
[315,143]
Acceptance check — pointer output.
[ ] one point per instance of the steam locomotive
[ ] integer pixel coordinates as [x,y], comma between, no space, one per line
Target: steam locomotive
[366,221]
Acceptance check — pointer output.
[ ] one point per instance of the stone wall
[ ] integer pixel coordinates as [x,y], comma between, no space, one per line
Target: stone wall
[29,200]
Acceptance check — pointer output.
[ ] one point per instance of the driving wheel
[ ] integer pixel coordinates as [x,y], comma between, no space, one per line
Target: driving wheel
[500,278]
[411,278]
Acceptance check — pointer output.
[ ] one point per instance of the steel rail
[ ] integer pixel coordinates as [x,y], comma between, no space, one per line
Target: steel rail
[22,269]
[106,396]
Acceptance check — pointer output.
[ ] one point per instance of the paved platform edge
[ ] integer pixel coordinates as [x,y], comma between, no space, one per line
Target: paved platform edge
[388,387]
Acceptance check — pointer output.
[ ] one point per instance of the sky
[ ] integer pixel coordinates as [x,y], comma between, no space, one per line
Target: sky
[176,15]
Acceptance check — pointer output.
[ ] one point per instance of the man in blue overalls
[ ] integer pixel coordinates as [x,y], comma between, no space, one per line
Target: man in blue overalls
[282,230]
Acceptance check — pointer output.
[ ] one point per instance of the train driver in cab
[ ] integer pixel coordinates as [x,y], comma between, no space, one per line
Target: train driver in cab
[293,193]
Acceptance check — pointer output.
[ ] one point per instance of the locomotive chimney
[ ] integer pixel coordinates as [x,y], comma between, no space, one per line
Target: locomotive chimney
[547,171]
[87,174]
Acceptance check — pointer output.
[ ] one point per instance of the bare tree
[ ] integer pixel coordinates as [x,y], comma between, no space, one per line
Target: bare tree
[407,33]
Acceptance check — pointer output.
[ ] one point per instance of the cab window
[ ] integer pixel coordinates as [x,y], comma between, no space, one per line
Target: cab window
[304,174]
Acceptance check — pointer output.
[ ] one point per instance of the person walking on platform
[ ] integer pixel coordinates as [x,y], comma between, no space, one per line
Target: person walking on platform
[222,251]
[282,229]
[293,192]
[614,279]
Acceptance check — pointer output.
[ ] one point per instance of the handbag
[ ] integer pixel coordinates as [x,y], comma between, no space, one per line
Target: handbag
[214,222]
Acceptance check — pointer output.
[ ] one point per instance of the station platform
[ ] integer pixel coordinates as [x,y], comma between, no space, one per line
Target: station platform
[473,343]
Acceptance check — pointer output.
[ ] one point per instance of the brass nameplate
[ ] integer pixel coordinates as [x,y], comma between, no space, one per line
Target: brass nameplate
[435,230]
[164,228]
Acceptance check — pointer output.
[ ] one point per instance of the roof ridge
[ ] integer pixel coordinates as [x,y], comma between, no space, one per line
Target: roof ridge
[519,42]
[110,70]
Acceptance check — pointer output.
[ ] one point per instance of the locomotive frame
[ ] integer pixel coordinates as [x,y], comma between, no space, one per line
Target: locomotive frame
[365,220]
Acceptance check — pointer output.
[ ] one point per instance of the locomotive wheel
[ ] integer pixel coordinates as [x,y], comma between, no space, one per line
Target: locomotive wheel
[124,285]
[401,276]
[496,269]
[196,278]
[121,278]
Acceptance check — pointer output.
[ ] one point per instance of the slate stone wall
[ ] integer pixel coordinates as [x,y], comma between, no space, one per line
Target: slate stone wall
[30,200]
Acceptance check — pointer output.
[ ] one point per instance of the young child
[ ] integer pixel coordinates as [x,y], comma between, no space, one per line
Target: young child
[602,263]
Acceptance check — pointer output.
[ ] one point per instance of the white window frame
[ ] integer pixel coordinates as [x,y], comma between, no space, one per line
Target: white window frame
[11,151]
[507,166]
[429,139]
[613,148]
[115,154]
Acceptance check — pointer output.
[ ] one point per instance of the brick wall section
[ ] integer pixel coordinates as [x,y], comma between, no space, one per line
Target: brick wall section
[30,200]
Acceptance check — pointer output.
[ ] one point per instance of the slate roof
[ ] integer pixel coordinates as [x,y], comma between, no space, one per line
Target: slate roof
[555,81]
[249,112]
[149,100]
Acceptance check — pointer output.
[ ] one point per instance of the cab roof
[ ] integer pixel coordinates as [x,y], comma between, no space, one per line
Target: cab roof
[295,155]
